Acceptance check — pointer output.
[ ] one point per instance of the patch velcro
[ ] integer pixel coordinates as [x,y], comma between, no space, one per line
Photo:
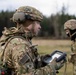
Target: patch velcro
[24,59]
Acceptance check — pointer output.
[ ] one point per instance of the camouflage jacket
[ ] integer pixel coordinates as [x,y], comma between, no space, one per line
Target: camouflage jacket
[73,53]
[19,55]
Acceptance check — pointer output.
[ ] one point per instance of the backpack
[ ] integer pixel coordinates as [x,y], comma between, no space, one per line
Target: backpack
[7,34]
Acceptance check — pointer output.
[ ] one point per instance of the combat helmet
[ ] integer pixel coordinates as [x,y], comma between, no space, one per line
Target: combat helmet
[27,12]
[70,24]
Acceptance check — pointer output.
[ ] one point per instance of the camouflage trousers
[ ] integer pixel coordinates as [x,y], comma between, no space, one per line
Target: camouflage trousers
[73,60]
[74,69]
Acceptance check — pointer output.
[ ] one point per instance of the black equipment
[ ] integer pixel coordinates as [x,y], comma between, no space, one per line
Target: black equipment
[56,54]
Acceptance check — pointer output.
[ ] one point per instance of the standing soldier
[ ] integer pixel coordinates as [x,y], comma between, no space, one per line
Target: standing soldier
[20,56]
[70,29]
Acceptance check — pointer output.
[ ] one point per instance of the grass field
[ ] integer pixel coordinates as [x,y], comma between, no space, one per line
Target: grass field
[48,46]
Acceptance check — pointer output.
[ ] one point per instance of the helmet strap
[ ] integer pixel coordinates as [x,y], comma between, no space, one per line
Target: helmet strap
[33,25]
[73,34]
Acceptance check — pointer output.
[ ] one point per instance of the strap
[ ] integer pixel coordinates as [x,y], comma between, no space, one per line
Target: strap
[65,69]
[71,34]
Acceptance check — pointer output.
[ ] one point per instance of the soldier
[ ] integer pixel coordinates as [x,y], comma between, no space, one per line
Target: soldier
[70,29]
[20,56]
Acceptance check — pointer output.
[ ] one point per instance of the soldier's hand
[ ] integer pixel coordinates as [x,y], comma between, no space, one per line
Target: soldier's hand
[72,57]
[57,65]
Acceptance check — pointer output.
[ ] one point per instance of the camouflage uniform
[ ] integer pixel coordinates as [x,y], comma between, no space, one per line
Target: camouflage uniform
[71,24]
[73,56]
[16,48]
[20,55]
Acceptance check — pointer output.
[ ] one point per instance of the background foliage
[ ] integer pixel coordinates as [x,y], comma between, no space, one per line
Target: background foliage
[52,26]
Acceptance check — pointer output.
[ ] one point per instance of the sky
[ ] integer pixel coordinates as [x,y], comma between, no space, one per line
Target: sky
[47,7]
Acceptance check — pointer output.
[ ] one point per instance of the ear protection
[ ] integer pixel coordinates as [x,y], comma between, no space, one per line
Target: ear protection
[20,17]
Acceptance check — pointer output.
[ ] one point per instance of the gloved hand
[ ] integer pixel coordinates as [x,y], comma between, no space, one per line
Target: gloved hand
[57,65]
[72,57]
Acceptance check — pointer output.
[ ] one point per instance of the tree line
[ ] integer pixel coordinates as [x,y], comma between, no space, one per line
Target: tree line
[52,26]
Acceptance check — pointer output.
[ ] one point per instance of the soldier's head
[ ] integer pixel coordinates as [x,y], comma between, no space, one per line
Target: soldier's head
[29,17]
[70,28]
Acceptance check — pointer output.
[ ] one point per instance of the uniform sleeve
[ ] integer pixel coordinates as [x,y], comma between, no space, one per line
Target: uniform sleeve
[47,70]
[14,51]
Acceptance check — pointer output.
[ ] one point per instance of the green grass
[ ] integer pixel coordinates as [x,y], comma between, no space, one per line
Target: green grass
[48,46]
